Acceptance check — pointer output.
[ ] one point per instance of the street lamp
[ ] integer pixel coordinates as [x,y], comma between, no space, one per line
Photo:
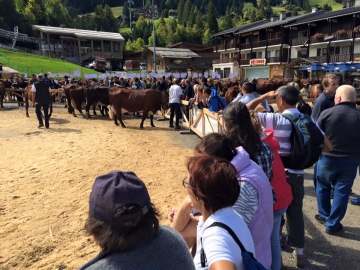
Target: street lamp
[130,2]
[154,47]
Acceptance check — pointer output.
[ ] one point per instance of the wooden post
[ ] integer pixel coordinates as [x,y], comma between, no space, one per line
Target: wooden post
[102,48]
[49,45]
[79,45]
[92,48]
[112,49]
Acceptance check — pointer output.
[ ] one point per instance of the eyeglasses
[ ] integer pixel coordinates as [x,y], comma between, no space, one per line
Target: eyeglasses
[184,182]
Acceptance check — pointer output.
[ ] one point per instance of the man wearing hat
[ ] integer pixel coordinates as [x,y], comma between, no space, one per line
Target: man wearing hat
[124,223]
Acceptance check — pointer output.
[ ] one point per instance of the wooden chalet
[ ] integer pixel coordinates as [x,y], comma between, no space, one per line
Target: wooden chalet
[170,59]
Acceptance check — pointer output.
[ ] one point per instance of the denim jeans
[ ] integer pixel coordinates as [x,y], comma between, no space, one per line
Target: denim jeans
[46,113]
[275,240]
[339,173]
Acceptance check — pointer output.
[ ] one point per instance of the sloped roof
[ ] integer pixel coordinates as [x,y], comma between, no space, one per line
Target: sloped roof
[282,22]
[328,14]
[173,52]
[80,33]
[239,28]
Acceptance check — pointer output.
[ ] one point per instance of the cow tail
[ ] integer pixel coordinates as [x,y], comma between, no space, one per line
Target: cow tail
[111,112]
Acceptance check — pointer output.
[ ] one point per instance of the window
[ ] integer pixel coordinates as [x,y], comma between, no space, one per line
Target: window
[278,35]
[248,56]
[236,55]
[321,51]
[334,50]
[268,54]
[247,40]
[277,53]
[259,55]
[270,36]
[303,34]
[345,50]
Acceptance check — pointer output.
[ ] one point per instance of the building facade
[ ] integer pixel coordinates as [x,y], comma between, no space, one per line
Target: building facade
[263,49]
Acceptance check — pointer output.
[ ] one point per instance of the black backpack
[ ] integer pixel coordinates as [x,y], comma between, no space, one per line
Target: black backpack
[306,143]
[250,263]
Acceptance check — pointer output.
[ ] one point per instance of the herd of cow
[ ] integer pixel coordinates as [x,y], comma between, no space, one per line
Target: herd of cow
[148,101]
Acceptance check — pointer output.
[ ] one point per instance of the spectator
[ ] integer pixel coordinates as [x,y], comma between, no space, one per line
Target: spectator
[254,202]
[241,131]
[286,100]
[163,84]
[175,94]
[188,94]
[212,100]
[338,168]
[16,85]
[213,188]
[124,223]
[280,186]
[326,99]
[33,79]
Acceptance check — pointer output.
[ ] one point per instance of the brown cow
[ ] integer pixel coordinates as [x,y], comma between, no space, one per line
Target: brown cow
[77,98]
[28,98]
[148,101]
[231,93]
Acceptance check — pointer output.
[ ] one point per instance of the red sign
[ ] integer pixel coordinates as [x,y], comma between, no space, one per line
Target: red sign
[255,62]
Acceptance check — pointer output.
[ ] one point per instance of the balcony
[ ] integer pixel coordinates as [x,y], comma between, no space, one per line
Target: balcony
[299,41]
[316,40]
[346,35]
[277,59]
[339,58]
[245,46]
[321,58]
[260,43]
[231,45]
[223,61]
[244,62]
[275,41]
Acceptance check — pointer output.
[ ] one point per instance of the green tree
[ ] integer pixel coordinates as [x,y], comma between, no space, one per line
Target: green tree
[225,21]
[249,12]
[57,15]
[104,19]
[126,11]
[34,12]
[180,11]
[187,12]
[211,25]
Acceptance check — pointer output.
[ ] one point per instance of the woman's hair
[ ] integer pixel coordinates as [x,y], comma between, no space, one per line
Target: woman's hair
[240,129]
[218,146]
[200,89]
[213,181]
[120,235]
[255,121]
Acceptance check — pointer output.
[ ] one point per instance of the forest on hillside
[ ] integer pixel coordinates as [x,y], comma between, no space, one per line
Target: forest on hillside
[196,20]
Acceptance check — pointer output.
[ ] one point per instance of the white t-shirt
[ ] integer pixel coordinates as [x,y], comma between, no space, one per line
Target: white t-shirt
[33,89]
[174,93]
[218,244]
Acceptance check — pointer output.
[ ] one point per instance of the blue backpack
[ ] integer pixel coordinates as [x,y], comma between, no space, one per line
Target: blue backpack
[250,263]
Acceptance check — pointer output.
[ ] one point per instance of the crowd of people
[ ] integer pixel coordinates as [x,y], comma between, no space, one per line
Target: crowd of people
[241,187]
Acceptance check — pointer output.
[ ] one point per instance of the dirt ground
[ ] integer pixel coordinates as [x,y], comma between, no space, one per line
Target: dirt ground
[46,178]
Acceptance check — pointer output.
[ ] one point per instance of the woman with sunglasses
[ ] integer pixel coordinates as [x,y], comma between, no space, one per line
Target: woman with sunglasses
[213,188]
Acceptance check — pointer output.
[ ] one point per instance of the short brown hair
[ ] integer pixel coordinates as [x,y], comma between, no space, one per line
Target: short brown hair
[325,81]
[255,121]
[213,181]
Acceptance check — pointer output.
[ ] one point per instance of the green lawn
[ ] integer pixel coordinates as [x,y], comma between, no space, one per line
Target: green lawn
[332,3]
[124,30]
[32,63]
[117,11]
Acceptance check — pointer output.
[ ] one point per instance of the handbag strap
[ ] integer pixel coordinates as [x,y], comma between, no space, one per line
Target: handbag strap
[233,235]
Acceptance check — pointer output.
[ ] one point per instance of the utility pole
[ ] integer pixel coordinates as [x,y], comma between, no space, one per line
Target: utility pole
[130,2]
[153,19]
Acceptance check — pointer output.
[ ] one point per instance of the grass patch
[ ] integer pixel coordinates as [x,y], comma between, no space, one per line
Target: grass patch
[117,11]
[124,30]
[332,3]
[32,63]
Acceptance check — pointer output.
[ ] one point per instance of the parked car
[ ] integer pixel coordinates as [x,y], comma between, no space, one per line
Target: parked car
[143,66]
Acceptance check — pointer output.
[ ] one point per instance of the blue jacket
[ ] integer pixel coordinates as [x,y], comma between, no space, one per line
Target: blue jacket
[213,101]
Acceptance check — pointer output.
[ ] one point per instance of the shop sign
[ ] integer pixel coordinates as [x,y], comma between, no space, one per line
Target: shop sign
[256,62]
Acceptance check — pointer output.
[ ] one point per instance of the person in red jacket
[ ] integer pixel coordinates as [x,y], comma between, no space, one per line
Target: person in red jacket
[280,186]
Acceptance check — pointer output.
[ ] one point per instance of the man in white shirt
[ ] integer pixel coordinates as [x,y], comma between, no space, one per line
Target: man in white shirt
[286,101]
[248,95]
[40,95]
[175,94]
